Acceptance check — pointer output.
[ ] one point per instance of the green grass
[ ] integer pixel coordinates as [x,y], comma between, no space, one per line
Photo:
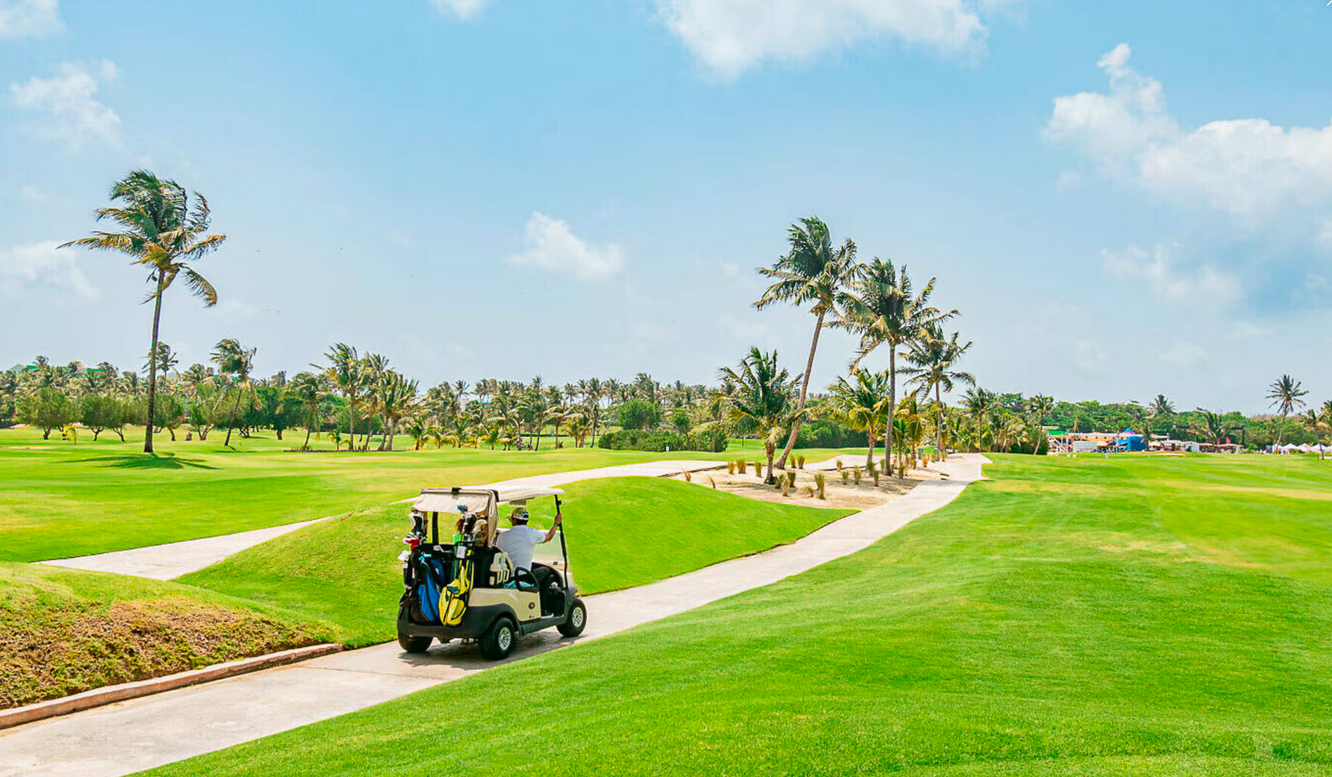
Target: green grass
[63,631]
[621,532]
[1073,616]
[74,499]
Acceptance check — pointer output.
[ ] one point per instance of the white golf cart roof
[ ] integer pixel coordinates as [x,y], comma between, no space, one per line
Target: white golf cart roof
[476,498]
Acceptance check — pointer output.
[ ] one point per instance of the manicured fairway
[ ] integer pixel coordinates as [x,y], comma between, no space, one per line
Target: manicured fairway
[621,532]
[1074,616]
[70,500]
[63,631]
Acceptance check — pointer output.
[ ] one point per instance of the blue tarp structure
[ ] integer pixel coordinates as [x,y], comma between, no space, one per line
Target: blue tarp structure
[1130,440]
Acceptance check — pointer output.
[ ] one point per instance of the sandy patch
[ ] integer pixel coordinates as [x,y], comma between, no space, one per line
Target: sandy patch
[847,496]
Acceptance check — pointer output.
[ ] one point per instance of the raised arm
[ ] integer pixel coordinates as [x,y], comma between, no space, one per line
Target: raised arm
[550,535]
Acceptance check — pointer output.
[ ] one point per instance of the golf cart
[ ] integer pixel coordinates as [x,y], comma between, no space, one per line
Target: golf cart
[466,588]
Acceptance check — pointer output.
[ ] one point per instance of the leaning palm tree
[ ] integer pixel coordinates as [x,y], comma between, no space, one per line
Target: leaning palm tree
[862,404]
[931,361]
[763,400]
[237,361]
[397,401]
[1287,395]
[163,231]
[884,309]
[812,272]
[1211,426]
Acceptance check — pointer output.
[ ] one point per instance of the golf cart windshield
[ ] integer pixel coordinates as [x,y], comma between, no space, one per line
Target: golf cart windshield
[481,500]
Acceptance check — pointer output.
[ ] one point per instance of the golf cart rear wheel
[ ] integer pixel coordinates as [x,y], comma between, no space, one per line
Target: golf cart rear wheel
[413,644]
[499,639]
[577,620]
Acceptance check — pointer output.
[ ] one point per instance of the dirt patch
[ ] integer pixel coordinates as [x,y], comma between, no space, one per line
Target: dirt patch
[839,495]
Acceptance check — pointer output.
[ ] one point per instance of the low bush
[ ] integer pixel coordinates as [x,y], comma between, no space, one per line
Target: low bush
[642,440]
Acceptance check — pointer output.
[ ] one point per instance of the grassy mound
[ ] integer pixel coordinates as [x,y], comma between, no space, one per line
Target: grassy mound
[63,631]
[621,532]
[1074,616]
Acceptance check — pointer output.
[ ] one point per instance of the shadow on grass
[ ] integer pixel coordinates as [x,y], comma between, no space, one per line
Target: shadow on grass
[144,461]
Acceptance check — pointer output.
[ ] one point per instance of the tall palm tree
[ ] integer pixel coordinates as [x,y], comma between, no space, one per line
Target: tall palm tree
[1162,409]
[862,404]
[979,404]
[1287,395]
[813,272]
[308,389]
[763,399]
[163,231]
[397,400]
[884,309]
[166,361]
[237,361]
[931,361]
[347,372]
[1211,426]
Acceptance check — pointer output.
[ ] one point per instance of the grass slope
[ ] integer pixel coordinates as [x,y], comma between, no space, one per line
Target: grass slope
[1073,616]
[622,532]
[63,631]
[68,500]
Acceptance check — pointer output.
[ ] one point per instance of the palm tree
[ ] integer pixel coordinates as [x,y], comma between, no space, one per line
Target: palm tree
[862,404]
[762,400]
[397,400]
[812,272]
[1162,409]
[166,361]
[931,361]
[1287,395]
[884,310]
[163,231]
[234,360]
[979,405]
[308,389]
[347,372]
[1211,426]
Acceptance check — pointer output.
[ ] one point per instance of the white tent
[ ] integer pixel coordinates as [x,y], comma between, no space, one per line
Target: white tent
[1304,448]
[1290,447]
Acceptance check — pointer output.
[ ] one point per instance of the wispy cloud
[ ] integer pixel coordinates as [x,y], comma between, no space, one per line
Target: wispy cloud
[551,247]
[33,265]
[31,193]
[29,18]
[1204,286]
[463,9]
[66,105]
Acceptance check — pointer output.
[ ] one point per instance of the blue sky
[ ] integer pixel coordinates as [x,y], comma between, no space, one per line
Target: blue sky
[1121,198]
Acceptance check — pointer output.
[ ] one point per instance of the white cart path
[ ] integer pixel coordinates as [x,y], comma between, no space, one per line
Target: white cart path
[139,734]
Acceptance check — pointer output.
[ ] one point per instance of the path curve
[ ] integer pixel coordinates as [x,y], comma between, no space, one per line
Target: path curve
[156,730]
[173,559]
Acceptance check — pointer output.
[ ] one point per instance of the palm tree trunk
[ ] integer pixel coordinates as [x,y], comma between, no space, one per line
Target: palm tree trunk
[351,422]
[938,423]
[306,446]
[892,408]
[152,369]
[232,423]
[389,445]
[869,457]
[804,389]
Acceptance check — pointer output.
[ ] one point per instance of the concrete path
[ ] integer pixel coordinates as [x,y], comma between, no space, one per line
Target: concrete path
[156,730]
[169,561]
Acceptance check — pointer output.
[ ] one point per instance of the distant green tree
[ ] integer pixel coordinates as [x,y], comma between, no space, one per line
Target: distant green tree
[1287,395]
[100,412]
[640,414]
[47,408]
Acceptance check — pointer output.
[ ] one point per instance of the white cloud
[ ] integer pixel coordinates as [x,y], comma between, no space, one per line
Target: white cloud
[1250,169]
[551,247]
[42,264]
[1184,355]
[1204,287]
[463,9]
[29,18]
[731,36]
[32,193]
[69,106]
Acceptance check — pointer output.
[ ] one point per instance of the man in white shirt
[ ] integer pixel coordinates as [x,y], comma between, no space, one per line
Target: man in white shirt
[520,541]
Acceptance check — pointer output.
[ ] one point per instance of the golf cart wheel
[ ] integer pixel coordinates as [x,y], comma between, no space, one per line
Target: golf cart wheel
[499,640]
[577,620]
[413,644]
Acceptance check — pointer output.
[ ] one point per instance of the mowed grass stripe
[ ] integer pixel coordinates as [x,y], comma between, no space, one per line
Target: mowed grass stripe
[621,532]
[1049,622]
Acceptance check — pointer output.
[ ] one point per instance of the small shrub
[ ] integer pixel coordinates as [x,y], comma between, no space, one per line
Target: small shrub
[819,482]
[791,476]
[742,467]
[809,491]
[839,465]
[846,475]
[855,474]
[689,476]
[800,462]
[785,481]
[713,482]
[730,467]
[758,468]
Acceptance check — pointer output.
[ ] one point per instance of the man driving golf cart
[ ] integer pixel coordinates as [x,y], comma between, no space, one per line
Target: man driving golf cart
[479,586]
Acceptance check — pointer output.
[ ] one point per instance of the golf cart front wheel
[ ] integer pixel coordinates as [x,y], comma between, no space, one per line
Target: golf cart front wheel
[413,644]
[499,639]
[577,620]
